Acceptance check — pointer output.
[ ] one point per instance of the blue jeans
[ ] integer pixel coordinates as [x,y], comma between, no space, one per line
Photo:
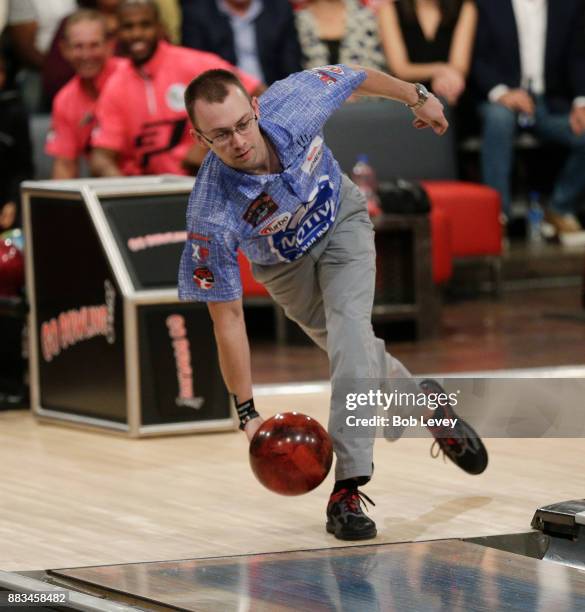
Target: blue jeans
[497,152]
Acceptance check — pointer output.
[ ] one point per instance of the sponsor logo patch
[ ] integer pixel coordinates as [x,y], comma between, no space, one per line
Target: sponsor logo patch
[276,225]
[260,210]
[313,156]
[323,76]
[334,69]
[203,278]
[175,97]
[309,224]
[200,253]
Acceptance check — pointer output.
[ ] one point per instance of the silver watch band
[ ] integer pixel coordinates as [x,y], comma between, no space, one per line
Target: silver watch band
[423,96]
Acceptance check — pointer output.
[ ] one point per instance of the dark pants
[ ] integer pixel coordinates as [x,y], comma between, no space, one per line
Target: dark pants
[499,130]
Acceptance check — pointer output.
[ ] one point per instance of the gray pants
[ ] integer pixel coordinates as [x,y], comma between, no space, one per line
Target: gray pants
[330,293]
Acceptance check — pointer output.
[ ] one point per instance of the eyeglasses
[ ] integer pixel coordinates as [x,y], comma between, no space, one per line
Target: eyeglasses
[225,136]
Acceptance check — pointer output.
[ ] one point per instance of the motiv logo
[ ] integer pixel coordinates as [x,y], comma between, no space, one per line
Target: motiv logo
[182,348]
[71,327]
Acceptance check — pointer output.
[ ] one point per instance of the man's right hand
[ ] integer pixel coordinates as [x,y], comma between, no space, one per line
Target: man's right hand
[252,427]
[518,100]
[430,114]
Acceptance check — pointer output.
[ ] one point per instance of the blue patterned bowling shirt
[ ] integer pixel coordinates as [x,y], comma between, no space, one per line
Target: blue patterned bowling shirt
[272,218]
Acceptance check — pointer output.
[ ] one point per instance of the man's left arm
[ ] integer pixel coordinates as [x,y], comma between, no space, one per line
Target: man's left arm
[64,168]
[380,84]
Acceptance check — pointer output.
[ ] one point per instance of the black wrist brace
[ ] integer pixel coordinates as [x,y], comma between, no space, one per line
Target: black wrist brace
[246,411]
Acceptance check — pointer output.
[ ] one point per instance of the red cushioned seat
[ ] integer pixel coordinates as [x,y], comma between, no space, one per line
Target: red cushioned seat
[250,286]
[441,246]
[474,216]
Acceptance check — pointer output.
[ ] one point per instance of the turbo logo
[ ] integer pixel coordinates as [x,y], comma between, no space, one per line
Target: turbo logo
[276,225]
[308,224]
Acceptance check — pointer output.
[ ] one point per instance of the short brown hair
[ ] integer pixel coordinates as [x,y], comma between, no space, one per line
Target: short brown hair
[211,86]
[85,15]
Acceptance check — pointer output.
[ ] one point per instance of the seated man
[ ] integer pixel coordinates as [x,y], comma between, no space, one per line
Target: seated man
[85,46]
[258,36]
[32,25]
[16,164]
[141,115]
[529,67]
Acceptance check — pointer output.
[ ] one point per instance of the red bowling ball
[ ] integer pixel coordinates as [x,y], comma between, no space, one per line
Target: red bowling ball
[291,453]
[11,269]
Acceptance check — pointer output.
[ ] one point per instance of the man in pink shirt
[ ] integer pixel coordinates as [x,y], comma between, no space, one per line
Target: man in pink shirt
[87,49]
[141,114]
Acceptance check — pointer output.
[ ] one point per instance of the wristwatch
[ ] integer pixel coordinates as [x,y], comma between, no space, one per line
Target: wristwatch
[423,96]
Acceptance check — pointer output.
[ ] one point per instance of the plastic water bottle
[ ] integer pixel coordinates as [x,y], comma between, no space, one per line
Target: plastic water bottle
[364,176]
[535,219]
[525,120]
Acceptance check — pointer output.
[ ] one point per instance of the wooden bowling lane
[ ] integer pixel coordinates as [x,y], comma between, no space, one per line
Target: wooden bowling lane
[441,575]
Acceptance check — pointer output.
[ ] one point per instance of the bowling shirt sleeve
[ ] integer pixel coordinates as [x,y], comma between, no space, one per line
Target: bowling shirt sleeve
[209,270]
[305,100]
[63,135]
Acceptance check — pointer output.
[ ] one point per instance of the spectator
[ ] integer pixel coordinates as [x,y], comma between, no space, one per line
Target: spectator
[32,26]
[339,31]
[56,69]
[141,113]
[87,48]
[529,65]
[3,14]
[258,36]
[108,8]
[15,152]
[170,16]
[430,42]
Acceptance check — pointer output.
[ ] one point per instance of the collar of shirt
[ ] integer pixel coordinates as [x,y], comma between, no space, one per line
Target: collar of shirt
[243,187]
[531,2]
[253,11]
[150,68]
[110,66]
[531,25]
